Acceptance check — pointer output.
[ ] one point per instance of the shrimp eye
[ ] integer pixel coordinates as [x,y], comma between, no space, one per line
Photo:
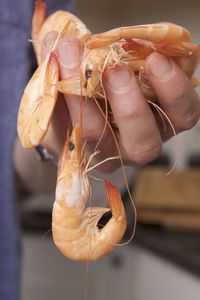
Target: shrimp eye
[71,146]
[88,73]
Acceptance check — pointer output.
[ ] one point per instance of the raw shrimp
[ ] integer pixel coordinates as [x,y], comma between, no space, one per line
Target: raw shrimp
[40,96]
[74,227]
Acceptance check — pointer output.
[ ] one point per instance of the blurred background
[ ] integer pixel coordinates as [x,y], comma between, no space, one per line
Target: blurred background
[163,261]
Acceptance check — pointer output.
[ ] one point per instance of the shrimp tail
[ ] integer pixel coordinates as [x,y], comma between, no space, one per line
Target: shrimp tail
[115,201]
[39,17]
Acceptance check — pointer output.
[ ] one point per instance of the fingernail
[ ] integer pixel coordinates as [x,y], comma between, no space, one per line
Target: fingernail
[69,54]
[119,79]
[161,67]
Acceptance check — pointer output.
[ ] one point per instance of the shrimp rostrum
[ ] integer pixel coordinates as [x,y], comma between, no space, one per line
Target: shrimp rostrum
[74,227]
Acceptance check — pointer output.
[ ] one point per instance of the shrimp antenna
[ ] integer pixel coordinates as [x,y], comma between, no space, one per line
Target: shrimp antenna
[95,178]
[43,238]
[83,147]
[86,280]
[39,42]
[105,115]
[124,175]
[174,132]
[89,160]
[101,162]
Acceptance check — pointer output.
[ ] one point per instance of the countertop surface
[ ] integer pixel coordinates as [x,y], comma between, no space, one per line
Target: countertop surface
[180,248]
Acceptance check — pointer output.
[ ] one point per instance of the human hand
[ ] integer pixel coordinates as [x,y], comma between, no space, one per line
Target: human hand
[140,132]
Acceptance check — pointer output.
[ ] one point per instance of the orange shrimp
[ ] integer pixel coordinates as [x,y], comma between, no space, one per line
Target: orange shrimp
[40,95]
[74,227]
[156,33]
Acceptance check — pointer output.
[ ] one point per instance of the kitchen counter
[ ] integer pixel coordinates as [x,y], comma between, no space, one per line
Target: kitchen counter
[180,248]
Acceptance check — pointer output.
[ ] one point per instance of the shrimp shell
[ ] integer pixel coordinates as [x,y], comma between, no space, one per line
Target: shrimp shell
[74,227]
[156,33]
[40,95]
[38,102]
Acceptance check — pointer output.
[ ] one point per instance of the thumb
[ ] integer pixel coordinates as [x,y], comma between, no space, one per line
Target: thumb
[69,56]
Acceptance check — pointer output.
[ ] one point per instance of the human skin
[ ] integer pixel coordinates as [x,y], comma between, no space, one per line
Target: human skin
[140,131]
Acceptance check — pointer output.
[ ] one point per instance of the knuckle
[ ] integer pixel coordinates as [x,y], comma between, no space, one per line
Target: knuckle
[189,121]
[91,133]
[146,155]
[109,167]
[129,112]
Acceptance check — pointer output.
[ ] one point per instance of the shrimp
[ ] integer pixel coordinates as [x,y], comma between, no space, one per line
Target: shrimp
[74,227]
[40,95]
[131,46]
[156,33]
